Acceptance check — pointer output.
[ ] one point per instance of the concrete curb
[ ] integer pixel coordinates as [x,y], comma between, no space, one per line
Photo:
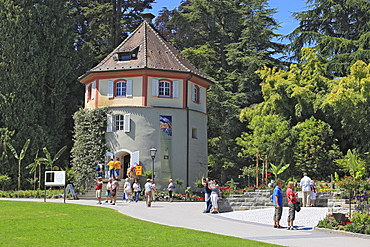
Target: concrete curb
[351,234]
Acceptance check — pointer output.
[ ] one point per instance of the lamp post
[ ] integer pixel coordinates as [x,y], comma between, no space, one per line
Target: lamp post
[153,151]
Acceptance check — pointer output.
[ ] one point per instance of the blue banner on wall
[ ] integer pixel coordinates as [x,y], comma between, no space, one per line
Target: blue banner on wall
[166,124]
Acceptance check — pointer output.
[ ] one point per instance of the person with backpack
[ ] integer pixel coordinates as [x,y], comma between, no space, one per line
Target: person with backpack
[292,200]
[277,200]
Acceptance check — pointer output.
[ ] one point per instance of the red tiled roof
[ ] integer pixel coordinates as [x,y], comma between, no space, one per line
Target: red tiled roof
[154,52]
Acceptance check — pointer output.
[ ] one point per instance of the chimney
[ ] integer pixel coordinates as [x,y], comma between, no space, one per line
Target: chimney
[148,17]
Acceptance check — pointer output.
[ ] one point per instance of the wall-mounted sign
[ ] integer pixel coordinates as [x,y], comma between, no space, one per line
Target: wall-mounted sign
[139,170]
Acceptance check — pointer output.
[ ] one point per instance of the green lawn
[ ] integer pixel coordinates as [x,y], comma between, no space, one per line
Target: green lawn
[60,224]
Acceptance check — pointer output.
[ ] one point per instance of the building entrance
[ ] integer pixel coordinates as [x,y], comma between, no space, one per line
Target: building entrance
[125,161]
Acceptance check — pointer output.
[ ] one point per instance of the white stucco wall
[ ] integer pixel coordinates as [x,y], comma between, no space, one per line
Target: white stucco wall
[146,133]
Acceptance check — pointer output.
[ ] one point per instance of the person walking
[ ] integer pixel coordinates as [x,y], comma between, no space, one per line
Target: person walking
[277,200]
[170,188]
[154,190]
[292,200]
[127,190]
[305,184]
[148,193]
[100,169]
[114,190]
[117,168]
[313,194]
[137,189]
[207,195]
[98,188]
[111,166]
[108,193]
[213,186]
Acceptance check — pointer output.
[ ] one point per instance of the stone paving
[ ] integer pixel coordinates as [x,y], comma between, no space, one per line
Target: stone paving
[308,217]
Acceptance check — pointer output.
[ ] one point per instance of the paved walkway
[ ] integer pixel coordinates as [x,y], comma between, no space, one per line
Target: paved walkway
[252,224]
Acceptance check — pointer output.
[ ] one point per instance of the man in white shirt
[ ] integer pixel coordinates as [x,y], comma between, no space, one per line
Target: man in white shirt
[305,184]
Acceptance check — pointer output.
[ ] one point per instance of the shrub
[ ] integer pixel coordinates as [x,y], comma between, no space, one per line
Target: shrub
[360,223]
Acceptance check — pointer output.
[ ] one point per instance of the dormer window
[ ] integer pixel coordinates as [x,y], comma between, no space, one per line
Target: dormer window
[127,55]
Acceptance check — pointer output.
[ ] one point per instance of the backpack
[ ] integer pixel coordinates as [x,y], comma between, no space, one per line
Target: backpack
[272,198]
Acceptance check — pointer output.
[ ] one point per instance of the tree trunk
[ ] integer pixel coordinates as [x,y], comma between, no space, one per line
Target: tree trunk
[257,158]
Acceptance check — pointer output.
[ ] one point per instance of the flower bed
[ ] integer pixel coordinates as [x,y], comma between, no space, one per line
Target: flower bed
[163,196]
[359,223]
[32,194]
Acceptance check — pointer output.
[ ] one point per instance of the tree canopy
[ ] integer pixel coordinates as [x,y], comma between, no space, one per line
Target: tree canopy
[339,29]
[228,41]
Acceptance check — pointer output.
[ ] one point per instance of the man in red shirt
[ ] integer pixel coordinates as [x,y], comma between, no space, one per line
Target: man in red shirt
[98,188]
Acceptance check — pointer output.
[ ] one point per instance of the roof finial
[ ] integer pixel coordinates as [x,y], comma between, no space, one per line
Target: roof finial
[148,17]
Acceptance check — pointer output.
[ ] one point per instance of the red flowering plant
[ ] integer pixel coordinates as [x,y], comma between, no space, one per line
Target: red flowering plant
[224,191]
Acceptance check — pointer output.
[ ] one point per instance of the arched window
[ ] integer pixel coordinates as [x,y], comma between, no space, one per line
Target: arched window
[165,89]
[120,89]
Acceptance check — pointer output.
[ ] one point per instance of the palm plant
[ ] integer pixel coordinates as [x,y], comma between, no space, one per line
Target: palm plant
[276,170]
[19,157]
[33,166]
[48,161]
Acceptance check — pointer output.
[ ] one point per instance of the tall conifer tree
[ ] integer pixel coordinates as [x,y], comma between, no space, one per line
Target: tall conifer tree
[339,29]
[228,40]
[38,67]
[103,24]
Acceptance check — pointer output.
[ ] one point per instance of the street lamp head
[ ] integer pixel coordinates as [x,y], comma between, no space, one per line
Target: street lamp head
[153,151]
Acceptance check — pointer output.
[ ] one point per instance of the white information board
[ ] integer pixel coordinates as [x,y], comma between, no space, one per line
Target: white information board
[55,178]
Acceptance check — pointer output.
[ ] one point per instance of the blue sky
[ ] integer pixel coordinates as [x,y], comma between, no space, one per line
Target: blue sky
[285,8]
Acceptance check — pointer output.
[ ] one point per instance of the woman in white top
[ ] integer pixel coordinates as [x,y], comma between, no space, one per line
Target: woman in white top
[137,189]
[313,194]
[213,186]
[127,190]
[170,188]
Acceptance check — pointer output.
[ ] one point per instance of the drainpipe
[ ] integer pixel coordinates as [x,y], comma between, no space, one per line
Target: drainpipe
[187,130]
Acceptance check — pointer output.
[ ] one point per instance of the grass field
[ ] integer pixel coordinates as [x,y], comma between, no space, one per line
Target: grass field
[60,224]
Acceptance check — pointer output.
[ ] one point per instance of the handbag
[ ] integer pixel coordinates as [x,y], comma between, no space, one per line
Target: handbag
[297,206]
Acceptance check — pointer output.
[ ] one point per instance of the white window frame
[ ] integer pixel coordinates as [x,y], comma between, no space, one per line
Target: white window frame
[165,89]
[119,122]
[122,88]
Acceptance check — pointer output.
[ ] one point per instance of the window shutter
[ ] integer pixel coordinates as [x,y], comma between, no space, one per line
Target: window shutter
[175,89]
[109,123]
[129,88]
[127,122]
[135,159]
[155,83]
[87,93]
[200,95]
[110,89]
[93,91]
